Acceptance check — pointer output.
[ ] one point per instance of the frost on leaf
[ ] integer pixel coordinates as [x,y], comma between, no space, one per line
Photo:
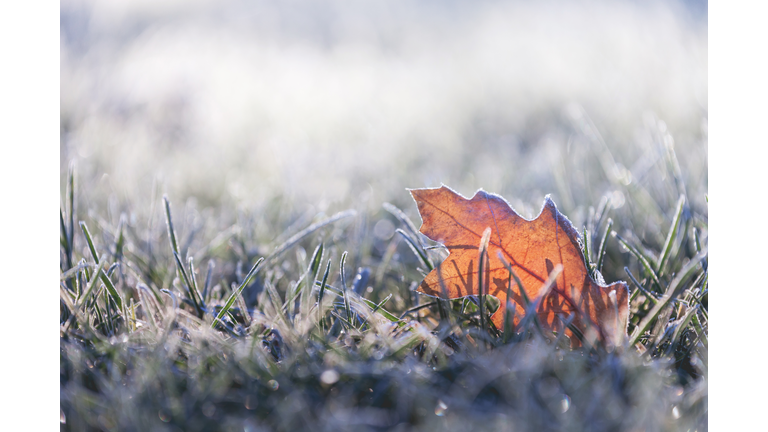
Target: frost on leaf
[532,248]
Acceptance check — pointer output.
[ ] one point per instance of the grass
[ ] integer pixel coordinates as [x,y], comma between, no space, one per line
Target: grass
[338,339]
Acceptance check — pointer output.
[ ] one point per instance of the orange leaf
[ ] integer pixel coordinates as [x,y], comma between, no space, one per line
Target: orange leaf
[533,249]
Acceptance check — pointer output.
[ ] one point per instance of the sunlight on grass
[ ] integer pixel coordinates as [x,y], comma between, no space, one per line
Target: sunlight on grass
[239,250]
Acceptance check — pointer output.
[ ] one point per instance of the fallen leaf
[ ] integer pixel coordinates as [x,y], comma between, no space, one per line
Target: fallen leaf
[533,249]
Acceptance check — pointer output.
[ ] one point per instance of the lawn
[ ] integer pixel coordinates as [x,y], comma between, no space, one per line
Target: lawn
[239,250]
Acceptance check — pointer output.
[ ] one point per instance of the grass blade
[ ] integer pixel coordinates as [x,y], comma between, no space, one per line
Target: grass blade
[191,289]
[697,242]
[208,277]
[112,291]
[191,264]
[586,251]
[671,235]
[91,284]
[104,277]
[417,308]
[603,241]
[310,279]
[89,240]
[71,200]
[120,237]
[187,284]
[674,286]
[382,303]
[169,225]
[344,287]
[681,326]
[65,242]
[531,311]
[323,284]
[642,260]
[322,293]
[231,300]
[523,294]
[483,273]
[73,271]
[314,264]
[639,286]
[376,308]
[416,249]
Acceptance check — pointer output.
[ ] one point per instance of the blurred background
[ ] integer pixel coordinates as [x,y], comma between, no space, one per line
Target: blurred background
[329,105]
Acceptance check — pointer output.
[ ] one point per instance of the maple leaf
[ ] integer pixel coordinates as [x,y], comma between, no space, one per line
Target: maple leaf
[533,249]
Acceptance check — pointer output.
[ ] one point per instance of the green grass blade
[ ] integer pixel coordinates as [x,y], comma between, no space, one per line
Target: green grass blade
[86,270]
[376,307]
[99,315]
[120,237]
[671,235]
[670,294]
[148,309]
[73,271]
[323,284]
[681,326]
[291,294]
[89,240]
[65,241]
[132,314]
[191,290]
[112,269]
[67,297]
[243,309]
[276,301]
[344,287]
[315,262]
[418,308]
[208,278]
[91,284]
[231,300]
[191,264]
[381,303]
[700,330]
[310,278]
[188,285]
[640,257]
[388,315]
[483,273]
[322,293]
[169,224]
[585,250]
[639,286]
[104,277]
[697,242]
[118,299]
[416,249]
[71,200]
[603,242]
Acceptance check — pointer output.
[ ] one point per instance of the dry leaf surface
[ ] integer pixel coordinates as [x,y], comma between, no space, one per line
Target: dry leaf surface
[533,249]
